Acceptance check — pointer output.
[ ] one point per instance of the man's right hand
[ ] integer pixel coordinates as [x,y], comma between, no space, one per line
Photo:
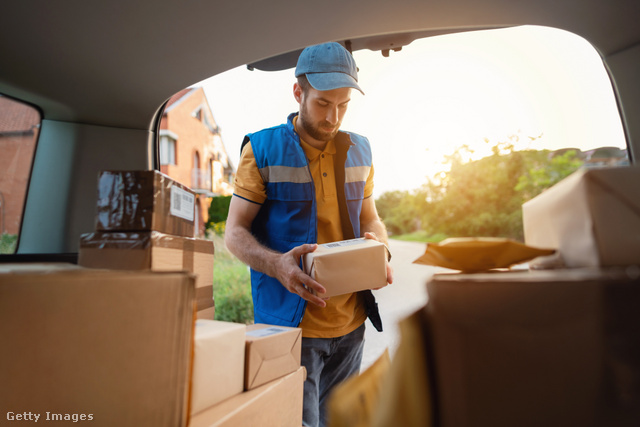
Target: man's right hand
[285,267]
[289,273]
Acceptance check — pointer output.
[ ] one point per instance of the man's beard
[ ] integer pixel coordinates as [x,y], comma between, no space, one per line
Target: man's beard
[314,131]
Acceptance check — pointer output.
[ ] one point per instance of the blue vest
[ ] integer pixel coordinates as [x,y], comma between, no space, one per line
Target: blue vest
[288,217]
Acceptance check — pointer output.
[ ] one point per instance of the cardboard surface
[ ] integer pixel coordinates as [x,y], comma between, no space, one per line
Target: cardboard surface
[152,251]
[275,404]
[536,348]
[144,201]
[113,346]
[271,352]
[348,266]
[591,217]
[218,362]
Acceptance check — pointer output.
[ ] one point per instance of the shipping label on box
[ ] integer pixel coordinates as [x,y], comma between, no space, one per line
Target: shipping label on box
[218,363]
[347,266]
[152,251]
[592,218]
[271,352]
[144,201]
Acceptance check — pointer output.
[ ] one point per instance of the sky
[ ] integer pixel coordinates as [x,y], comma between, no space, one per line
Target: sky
[438,94]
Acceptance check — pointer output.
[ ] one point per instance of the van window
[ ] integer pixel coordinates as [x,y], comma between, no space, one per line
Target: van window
[19,126]
[464,127]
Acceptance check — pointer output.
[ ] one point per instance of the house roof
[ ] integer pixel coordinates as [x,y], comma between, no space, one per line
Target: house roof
[177,98]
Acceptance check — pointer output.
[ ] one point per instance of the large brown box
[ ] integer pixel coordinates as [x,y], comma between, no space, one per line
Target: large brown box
[591,217]
[110,345]
[153,251]
[347,266]
[144,201]
[536,348]
[275,404]
[271,352]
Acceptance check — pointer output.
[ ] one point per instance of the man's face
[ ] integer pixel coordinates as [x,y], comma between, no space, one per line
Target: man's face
[321,112]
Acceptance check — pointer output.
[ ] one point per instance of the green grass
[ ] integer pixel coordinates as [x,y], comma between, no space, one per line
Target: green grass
[8,243]
[231,286]
[420,236]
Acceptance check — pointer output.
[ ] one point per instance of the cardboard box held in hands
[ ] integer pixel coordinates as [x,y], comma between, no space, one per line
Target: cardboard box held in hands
[347,266]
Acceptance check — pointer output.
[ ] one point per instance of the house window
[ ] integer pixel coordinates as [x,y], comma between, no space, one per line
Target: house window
[167,149]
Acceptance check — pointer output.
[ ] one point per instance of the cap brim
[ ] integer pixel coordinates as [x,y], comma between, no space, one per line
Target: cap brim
[330,81]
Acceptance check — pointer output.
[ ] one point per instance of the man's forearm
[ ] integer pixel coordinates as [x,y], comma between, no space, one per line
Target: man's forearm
[247,249]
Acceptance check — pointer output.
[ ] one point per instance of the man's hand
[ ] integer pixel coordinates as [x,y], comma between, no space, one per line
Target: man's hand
[282,266]
[294,279]
[372,235]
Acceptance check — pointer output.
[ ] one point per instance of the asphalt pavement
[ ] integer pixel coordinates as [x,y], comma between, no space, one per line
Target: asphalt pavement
[407,294]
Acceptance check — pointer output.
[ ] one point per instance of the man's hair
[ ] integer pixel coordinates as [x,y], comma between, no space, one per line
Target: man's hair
[304,83]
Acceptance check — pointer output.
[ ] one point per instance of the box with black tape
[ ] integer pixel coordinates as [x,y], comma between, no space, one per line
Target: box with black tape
[144,201]
[156,252]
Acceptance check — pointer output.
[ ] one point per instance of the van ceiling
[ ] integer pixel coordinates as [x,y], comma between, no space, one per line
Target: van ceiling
[115,62]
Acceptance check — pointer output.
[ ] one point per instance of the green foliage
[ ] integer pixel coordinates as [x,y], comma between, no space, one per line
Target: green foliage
[400,211]
[421,236]
[545,170]
[8,243]
[484,198]
[218,211]
[481,198]
[231,286]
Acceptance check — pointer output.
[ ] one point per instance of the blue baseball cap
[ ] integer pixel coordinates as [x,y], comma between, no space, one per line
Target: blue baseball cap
[328,66]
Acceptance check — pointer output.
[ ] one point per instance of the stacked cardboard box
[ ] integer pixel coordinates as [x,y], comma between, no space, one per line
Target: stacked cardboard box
[145,221]
[591,217]
[536,348]
[109,347]
[262,360]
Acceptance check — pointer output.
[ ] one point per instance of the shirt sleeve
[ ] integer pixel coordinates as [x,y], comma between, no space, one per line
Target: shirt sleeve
[248,183]
[368,185]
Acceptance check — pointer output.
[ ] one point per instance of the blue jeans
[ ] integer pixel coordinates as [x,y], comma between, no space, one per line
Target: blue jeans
[328,361]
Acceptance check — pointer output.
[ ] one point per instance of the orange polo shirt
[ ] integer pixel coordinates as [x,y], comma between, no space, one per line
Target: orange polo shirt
[343,313]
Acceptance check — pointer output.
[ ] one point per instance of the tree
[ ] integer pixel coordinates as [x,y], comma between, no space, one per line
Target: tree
[484,198]
[218,211]
[400,210]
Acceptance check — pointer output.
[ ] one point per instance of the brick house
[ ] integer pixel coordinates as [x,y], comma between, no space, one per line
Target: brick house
[192,151]
[19,125]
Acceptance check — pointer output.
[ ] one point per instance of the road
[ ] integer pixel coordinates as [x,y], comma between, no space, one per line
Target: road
[396,301]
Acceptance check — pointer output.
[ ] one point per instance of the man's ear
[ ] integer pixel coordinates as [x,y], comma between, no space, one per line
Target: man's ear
[297,92]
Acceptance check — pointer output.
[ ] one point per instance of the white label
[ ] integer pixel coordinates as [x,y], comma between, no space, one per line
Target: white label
[265,332]
[182,203]
[344,243]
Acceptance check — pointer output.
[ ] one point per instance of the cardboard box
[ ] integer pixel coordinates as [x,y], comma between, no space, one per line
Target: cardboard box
[144,201]
[109,347]
[218,363]
[592,218]
[348,266]
[271,352]
[152,251]
[536,348]
[275,404]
